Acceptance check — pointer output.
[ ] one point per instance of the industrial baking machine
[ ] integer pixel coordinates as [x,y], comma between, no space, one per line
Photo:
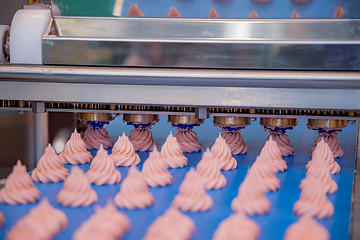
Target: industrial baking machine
[191,69]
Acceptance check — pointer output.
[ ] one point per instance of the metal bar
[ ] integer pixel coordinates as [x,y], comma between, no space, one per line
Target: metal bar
[304,44]
[200,96]
[41,134]
[184,113]
[181,77]
[204,29]
[355,202]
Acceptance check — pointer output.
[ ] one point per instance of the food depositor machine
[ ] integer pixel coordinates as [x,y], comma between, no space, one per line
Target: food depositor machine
[234,70]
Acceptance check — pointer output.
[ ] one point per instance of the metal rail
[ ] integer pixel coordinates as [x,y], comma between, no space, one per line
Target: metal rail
[181,76]
[180,87]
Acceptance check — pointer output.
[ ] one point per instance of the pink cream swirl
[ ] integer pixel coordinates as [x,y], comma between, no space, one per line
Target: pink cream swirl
[254,14]
[319,171]
[134,11]
[301,1]
[222,154]
[173,12]
[77,190]
[237,226]
[155,171]
[172,154]
[263,170]
[105,223]
[272,153]
[2,219]
[283,142]
[323,152]
[134,192]
[295,14]
[188,140]
[102,169]
[235,141]
[339,12]
[142,139]
[123,153]
[192,196]
[42,222]
[251,199]
[19,187]
[75,151]
[261,1]
[172,225]
[313,201]
[213,13]
[333,143]
[93,138]
[306,228]
[209,172]
[49,167]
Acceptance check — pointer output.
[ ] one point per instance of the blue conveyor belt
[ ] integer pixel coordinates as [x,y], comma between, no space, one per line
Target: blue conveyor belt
[273,225]
[201,8]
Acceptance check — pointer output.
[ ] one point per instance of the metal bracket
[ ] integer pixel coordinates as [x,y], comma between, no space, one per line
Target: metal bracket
[202,112]
[38,107]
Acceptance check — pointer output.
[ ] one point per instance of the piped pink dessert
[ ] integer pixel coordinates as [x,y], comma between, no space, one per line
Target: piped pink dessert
[142,139]
[42,222]
[134,192]
[213,13]
[323,152]
[93,138]
[172,225]
[271,152]
[105,223]
[102,169]
[187,140]
[301,1]
[235,141]
[2,219]
[254,14]
[123,153]
[263,170]
[283,142]
[332,141]
[237,226]
[192,196]
[75,151]
[155,171]
[49,168]
[339,12]
[134,11]
[319,171]
[295,14]
[261,1]
[209,172]
[313,202]
[173,12]
[19,187]
[172,154]
[77,190]
[222,154]
[251,199]
[306,228]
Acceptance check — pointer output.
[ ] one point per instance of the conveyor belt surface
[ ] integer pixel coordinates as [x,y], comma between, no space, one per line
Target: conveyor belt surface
[201,8]
[273,225]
